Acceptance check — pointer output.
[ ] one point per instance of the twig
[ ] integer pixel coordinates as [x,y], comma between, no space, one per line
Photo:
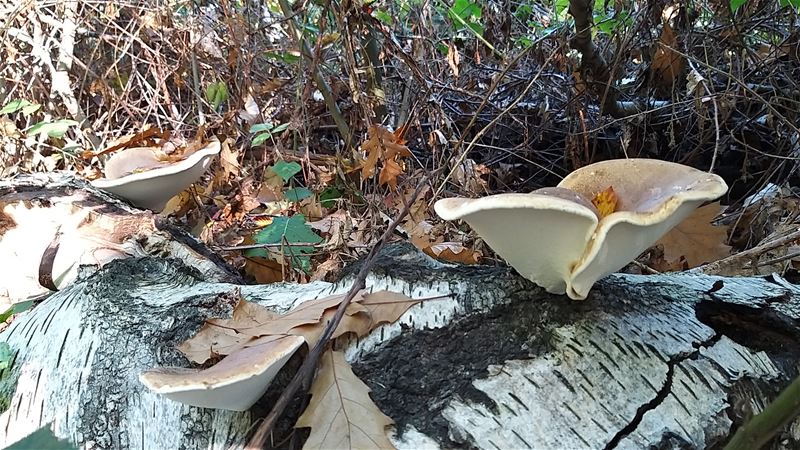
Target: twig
[748,255]
[306,371]
[279,244]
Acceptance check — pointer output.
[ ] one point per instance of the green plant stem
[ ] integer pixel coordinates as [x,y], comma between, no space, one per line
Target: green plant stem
[761,428]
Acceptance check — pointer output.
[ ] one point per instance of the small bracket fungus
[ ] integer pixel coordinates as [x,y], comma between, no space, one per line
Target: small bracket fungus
[137,175]
[555,236]
[235,383]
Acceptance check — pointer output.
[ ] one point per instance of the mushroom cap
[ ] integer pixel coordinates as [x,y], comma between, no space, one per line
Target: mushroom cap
[539,234]
[152,188]
[131,161]
[235,383]
[653,197]
[554,236]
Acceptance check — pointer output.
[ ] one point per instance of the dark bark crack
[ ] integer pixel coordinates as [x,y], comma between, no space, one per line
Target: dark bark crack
[662,393]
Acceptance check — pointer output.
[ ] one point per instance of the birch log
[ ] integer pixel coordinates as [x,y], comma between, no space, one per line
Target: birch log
[667,361]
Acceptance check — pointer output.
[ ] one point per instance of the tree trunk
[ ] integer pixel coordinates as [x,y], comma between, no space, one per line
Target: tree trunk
[666,361]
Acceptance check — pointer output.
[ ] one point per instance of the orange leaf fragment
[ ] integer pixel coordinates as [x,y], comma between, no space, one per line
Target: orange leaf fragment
[605,202]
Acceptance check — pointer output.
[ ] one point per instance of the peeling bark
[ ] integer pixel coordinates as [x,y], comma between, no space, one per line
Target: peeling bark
[646,361]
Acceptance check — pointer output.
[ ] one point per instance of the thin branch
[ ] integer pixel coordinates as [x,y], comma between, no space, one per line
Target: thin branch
[309,366]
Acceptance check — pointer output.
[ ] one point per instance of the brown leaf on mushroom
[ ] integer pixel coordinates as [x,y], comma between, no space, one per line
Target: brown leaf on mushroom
[570,246]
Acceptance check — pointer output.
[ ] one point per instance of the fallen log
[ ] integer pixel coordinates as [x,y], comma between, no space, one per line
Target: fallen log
[670,360]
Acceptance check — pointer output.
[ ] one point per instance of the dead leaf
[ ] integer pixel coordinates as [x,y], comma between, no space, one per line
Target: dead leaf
[697,239]
[667,64]
[605,202]
[264,270]
[391,169]
[381,144]
[453,58]
[453,252]
[327,270]
[179,205]
[341,414]
[251,324]
[385,306]
[228,160]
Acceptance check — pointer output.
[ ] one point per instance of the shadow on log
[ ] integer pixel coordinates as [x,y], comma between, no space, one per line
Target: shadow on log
[666,361]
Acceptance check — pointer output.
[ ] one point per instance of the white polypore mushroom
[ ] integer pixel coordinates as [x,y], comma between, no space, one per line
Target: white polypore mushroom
[137,175]
[555,237]
[235,383]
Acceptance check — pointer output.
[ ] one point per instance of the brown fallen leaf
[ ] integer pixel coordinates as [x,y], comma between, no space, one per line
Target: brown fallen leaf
[341,414]
[251,324]
[453,252]
[696,239]
[219,336]
[667,64]
[382,144]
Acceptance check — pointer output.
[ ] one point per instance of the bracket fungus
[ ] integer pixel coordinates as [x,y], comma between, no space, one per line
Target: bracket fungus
[235,383]
[556,238]
[139,176]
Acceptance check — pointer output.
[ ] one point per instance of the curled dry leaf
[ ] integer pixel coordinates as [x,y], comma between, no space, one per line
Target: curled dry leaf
[453,252]
[341,414]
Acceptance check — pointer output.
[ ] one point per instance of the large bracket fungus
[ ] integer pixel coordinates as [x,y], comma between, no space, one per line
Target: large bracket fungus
[556,238]
[139,176]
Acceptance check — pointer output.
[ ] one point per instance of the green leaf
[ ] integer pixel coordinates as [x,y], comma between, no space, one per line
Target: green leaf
[562,6]
[259,127]
[217,94]
[261,138]
[736,4]
[297,194]
[27,107]
[294,230]
[284,57]
[5,355]
[53,129]
[383,16]
[14,106]
[280,128]
[42,439]
[328,196]
[16,308]
[286,170]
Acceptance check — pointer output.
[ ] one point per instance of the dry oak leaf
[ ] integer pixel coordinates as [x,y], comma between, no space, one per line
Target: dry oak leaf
[605,202]
[341,414]
[382,144]
[219,336]
[252,324]
[696,239]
